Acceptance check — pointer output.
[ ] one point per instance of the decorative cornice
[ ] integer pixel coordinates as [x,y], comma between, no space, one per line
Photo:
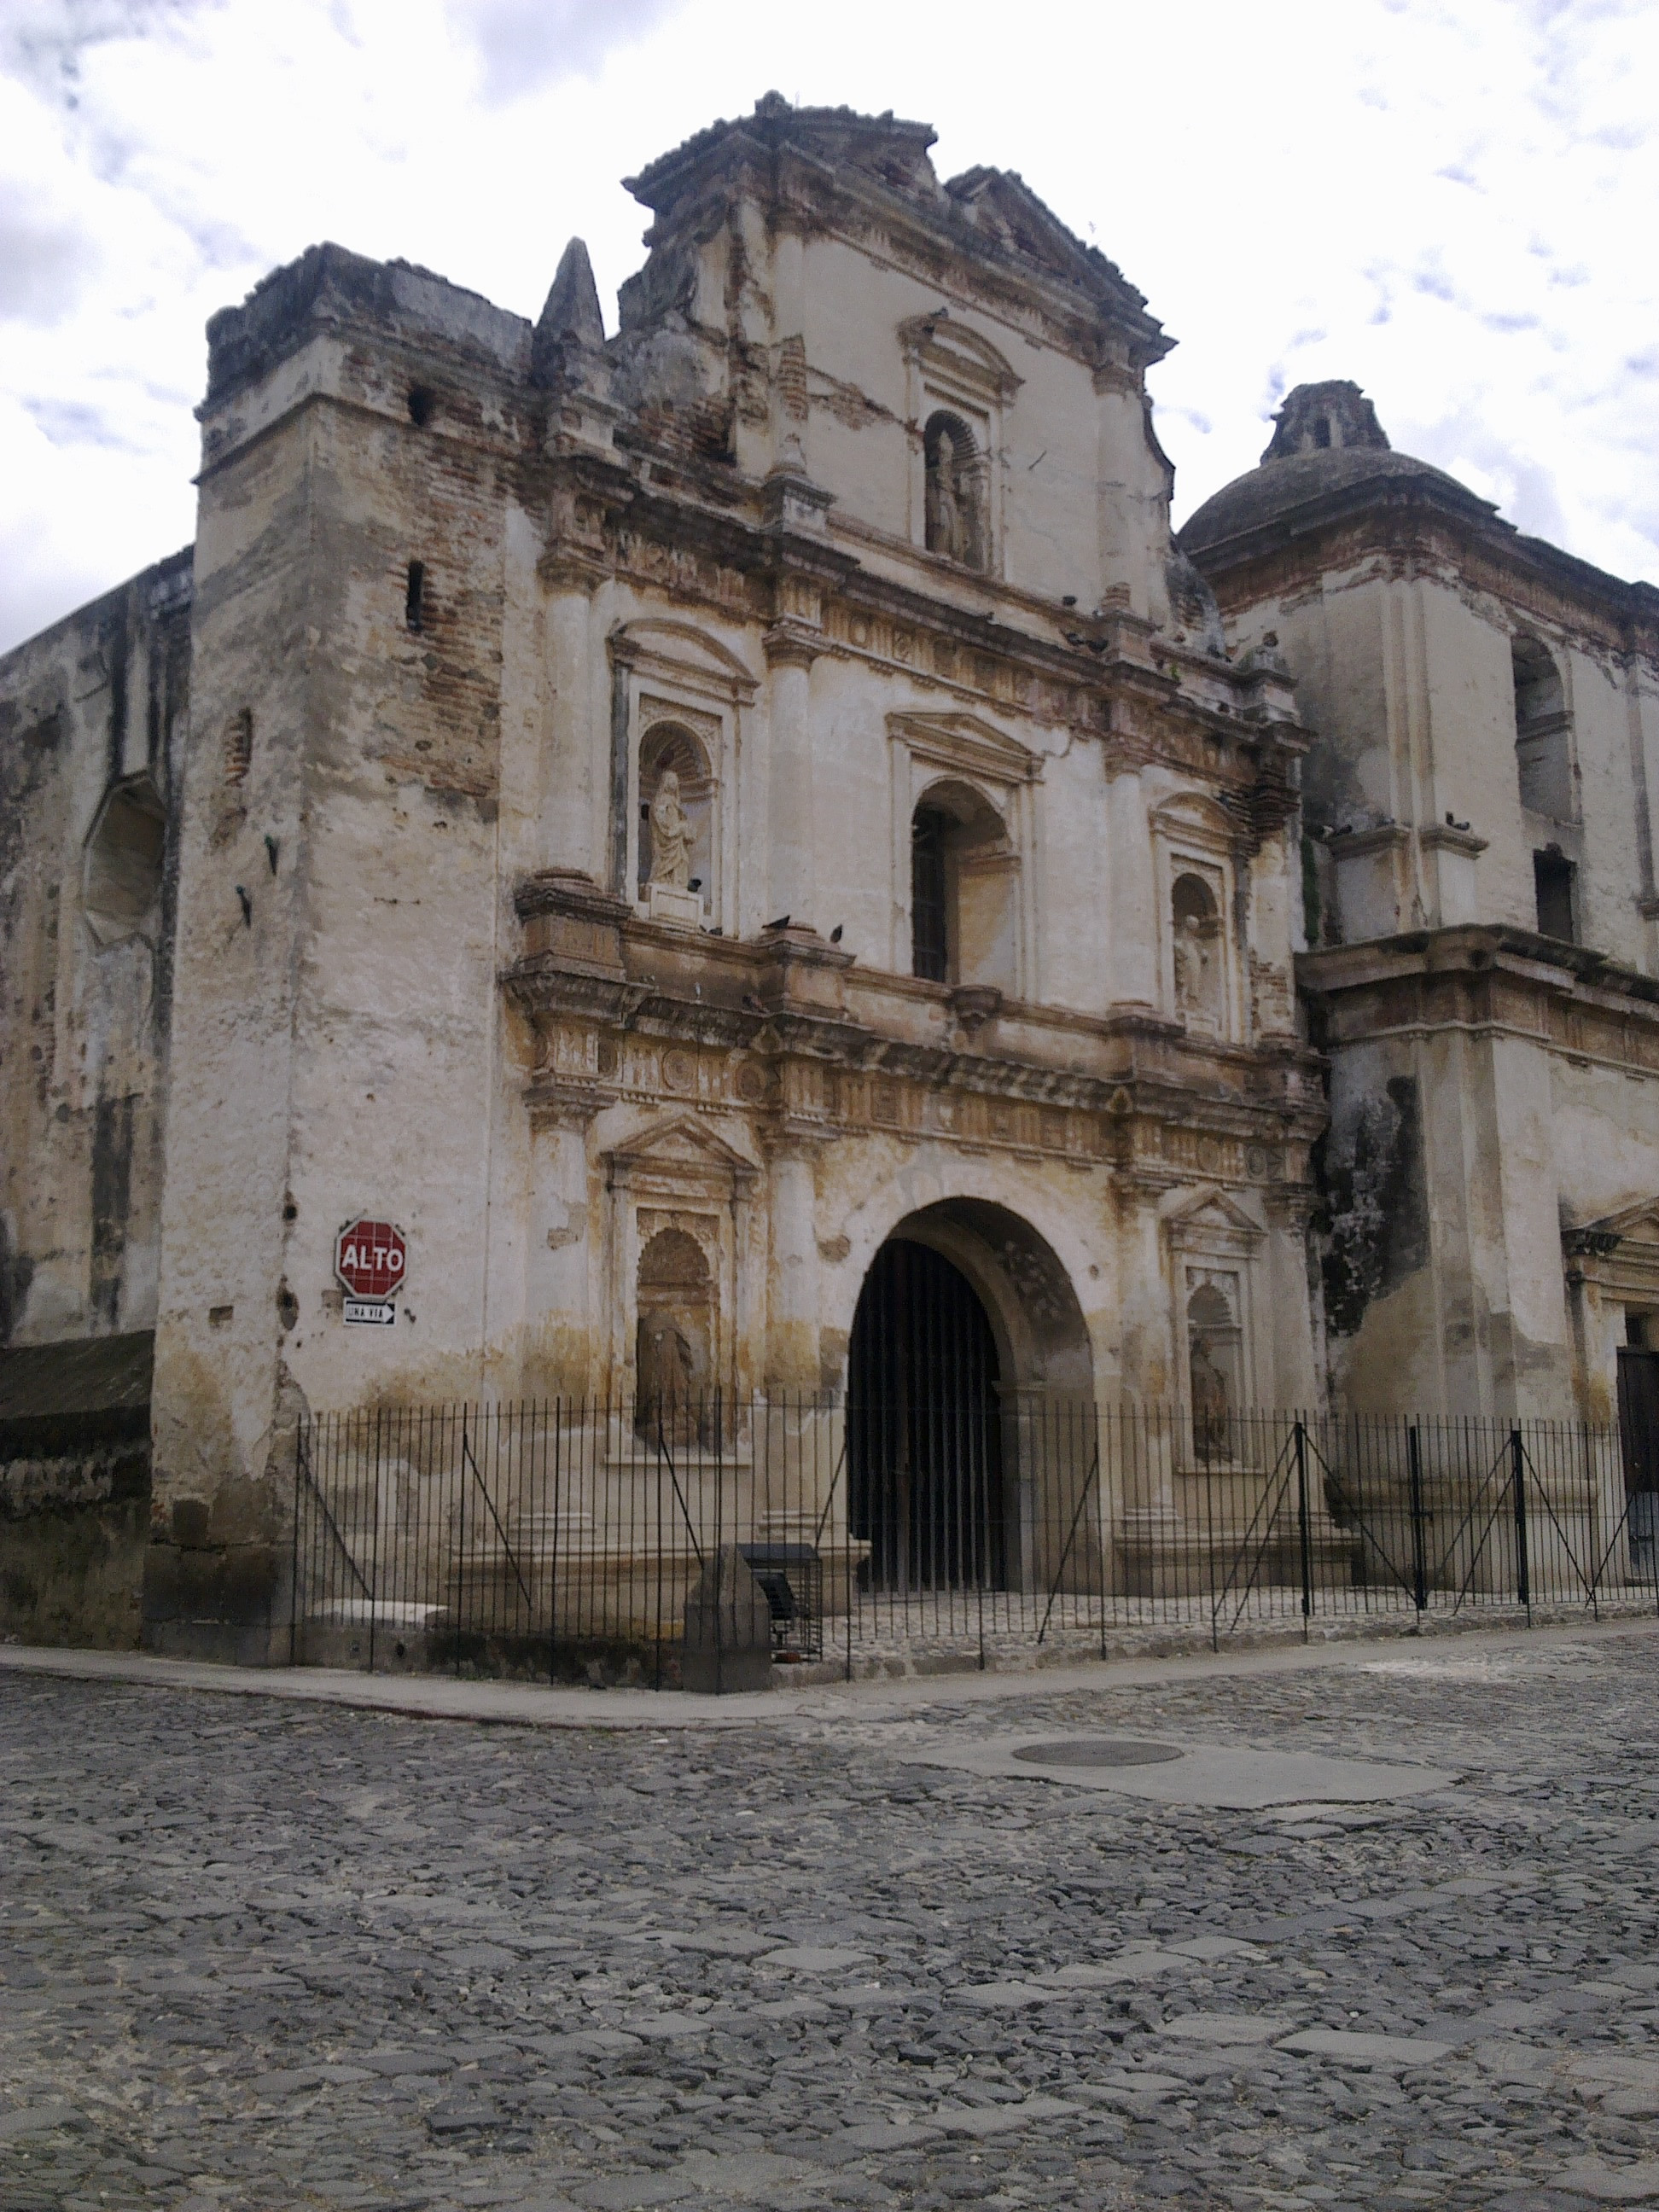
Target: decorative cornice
[791,645]
[1491,980]
[764,1029]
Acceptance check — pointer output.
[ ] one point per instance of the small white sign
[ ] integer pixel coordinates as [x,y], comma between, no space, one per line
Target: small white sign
[379,1313]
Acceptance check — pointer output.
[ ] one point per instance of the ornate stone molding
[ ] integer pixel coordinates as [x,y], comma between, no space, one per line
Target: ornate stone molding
[773,1041]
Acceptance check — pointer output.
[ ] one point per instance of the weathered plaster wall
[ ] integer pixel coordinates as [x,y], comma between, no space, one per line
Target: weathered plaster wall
[95,705]
[449,574]
[1408,681]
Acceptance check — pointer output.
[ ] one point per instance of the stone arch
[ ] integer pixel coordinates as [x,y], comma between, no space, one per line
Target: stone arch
[955,500]
[964,874]
[1197,941]
[1543,747]
[126,855]
[677,1337]
[1215,1340]
[968,1406]
[671,748]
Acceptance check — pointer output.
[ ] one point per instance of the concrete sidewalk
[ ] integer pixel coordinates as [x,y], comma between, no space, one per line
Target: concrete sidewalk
[434,1697]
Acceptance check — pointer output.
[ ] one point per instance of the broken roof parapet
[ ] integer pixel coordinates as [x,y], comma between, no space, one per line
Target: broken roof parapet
[988,215]
[330,288]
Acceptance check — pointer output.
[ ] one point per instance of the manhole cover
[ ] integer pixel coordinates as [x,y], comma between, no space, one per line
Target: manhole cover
[1097,1751]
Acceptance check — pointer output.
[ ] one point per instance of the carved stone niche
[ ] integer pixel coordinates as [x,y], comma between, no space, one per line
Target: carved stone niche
[1212,1244]
[678,1328]
[679,1228]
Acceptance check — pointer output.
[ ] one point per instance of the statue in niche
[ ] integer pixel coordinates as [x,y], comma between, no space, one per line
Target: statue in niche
[667,1393]
[1197,978]
[1212,1402]
[950,526]
[672,834]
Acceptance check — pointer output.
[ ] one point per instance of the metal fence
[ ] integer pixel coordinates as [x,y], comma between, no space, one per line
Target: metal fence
[573,1540]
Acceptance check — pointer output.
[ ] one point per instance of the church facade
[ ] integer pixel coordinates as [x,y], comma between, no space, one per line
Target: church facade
[672,819]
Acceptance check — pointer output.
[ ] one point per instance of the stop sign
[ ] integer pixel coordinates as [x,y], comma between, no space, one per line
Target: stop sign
[369,1257]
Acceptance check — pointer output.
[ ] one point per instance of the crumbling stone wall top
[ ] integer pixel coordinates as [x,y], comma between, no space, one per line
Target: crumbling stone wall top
[329,286]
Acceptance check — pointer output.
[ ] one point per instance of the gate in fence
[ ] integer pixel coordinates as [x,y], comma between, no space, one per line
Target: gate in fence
[573,1540]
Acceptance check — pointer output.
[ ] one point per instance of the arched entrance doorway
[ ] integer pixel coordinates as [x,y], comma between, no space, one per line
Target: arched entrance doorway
[924,1426]
[969,1408]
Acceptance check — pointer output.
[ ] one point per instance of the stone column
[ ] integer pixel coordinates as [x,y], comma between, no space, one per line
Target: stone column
[1132,949]
[1121,462]
[793,873]
[792,1335]
[568,811]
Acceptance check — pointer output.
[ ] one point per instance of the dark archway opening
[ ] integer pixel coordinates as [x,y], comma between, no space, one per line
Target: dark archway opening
[924,1427]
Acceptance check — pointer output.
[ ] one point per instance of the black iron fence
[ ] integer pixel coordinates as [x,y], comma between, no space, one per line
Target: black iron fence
[573,1540]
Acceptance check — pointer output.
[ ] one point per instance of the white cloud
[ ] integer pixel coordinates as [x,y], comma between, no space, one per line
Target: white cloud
[1437,197]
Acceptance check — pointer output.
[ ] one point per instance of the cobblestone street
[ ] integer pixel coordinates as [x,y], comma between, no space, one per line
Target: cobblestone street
[262,1953]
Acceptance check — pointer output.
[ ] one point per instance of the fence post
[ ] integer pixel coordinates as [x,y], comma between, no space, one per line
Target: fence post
[460,1546]
[1518,1480]
[375,1545]
[294,1571]
[1304,1530]
[1419,1547]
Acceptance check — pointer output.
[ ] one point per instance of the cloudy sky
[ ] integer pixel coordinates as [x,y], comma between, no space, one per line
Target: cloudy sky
[1451,200]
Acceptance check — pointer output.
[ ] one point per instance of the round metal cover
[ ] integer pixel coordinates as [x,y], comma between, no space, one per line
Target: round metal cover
[1097,1751]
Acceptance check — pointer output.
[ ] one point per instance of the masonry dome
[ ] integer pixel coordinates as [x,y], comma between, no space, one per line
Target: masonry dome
[1327,439]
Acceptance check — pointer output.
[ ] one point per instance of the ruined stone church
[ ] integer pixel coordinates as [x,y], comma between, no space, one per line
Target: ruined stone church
[740,834]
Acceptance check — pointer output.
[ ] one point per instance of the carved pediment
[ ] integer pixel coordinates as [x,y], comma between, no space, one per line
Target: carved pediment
[950,353]
[1634,1230]
[969,745]
[1617,1252]
[1196,816]
[679,1156]
[1210,1219]
[681,652]
[1008,215]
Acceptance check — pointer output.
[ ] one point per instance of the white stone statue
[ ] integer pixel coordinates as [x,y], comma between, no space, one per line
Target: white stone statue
[672,834]
[665,1406]
[947,526]
[1212,1402]
[1194,969]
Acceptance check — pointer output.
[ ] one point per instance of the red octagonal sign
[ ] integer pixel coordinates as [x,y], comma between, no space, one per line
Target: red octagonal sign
[369,1258]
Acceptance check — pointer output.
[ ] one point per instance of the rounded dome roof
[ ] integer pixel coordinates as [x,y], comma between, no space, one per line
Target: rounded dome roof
[1327,439]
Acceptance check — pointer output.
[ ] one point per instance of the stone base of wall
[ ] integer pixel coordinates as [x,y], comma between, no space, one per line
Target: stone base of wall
[73,1533]
[227,1602]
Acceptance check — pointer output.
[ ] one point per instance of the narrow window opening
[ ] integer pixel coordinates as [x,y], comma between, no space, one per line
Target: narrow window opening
[415,596]
[930,937]
[1322,431]
[239,745]
[1553,877]
[1543,747]
[420,404]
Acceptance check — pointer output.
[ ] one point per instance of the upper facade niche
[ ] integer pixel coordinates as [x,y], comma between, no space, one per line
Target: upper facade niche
[951,365]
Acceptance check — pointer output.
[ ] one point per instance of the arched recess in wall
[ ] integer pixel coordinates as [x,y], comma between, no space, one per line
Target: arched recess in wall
[964,876]
[670,672]
[957,504]
[1214,1369]
[959,386]
[1543,731]
[1199,952]
[678,796]
[1202,960]
[678,1329]
[968,1369]
[123,866]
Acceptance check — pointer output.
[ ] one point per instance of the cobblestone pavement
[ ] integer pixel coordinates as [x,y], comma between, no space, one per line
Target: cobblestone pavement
[259,1954]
